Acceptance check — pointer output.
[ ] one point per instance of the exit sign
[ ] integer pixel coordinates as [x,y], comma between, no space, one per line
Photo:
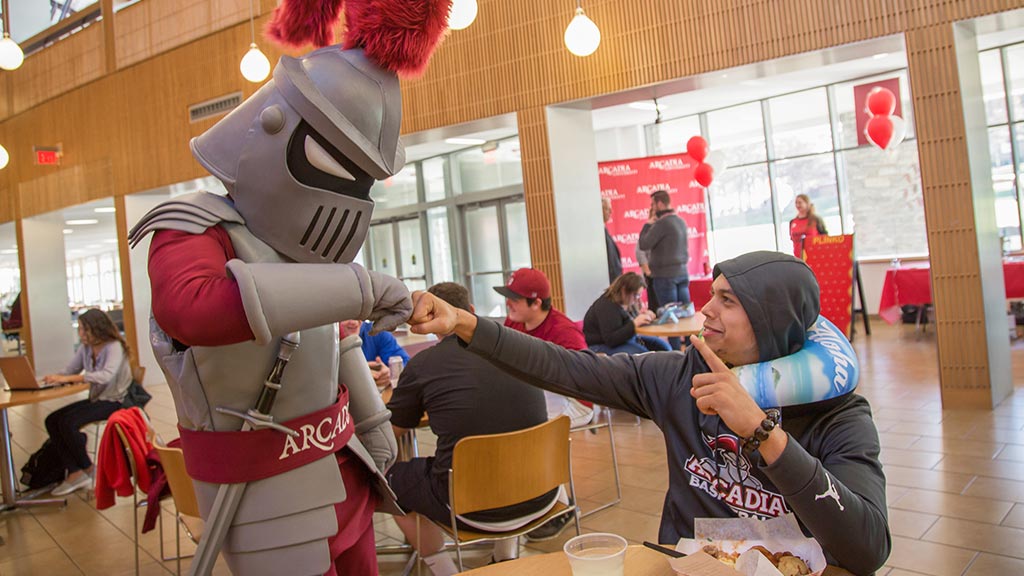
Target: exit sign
[47,156]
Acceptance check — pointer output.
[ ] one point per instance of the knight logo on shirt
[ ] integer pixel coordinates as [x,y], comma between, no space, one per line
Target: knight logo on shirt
[728,477]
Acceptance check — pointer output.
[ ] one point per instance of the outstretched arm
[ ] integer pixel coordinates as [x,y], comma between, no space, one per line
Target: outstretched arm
[626,382]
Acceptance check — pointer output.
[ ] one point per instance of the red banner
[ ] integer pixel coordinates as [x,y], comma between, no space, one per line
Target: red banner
[831,260]
[628,184]
[860,106]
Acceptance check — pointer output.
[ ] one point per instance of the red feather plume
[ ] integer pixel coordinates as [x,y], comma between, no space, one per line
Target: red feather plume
[399,35]
[299,22]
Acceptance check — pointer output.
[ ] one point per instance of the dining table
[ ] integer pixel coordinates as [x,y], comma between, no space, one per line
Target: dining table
[640,561]
[12,499]
[911,284]
[684,327]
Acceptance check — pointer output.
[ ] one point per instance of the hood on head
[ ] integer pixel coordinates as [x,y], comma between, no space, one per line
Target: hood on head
[780,296]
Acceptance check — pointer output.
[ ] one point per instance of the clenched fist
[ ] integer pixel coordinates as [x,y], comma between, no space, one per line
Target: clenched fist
[391,302]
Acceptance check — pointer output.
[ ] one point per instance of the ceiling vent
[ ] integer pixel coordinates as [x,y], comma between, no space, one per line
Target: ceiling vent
[215,107]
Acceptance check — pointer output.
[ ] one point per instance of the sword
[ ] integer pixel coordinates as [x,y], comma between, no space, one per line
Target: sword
[225,505]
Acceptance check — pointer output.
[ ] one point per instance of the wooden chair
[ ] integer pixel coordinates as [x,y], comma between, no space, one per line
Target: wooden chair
[499,470]
[186,508]
[138,374]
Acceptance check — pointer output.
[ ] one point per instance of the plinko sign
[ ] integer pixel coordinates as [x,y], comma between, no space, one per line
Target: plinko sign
[628,184]
[831,260]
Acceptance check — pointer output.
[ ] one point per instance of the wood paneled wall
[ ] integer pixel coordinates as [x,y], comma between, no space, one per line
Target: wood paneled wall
[133,121]
[540,199]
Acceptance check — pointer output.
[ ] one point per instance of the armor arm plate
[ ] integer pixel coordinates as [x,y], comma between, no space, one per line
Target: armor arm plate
[286,297]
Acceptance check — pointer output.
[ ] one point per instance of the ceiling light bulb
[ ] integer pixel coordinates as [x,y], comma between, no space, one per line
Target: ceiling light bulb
[105,210]
[255,67]
[82,222]
[4,157]
[581,35]
[11,55]
[462,14]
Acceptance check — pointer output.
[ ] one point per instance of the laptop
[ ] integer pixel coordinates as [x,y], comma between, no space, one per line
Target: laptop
[19,374]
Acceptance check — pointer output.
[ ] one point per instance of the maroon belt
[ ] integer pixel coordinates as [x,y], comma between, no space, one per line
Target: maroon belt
[233,457]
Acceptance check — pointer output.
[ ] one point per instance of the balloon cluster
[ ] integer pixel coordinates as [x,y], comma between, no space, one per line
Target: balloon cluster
[883,128]
[704,173]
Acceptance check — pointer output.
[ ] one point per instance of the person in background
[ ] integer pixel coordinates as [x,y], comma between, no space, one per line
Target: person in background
[465,395]
[528,299]
[666,241]
[806,225]
[612,249]
[609,325]
[642,257]
[377,349]
[102,361]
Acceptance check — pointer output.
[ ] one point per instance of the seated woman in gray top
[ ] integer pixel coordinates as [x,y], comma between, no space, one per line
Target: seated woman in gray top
[610,324]
[102,361]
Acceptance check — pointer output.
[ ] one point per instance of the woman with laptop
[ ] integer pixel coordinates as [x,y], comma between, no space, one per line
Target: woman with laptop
[102,361]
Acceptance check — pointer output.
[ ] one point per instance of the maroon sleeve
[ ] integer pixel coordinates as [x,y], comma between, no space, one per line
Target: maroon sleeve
[567,334]
[194,300]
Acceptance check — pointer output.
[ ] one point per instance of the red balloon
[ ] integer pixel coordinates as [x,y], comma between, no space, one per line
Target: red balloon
[697,148]
[881,101]
[704,174]
[879,131]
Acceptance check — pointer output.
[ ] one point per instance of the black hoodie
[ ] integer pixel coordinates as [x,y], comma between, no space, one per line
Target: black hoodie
[829,474]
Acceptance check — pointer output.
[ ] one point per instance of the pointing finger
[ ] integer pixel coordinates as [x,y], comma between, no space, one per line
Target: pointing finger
[714,362]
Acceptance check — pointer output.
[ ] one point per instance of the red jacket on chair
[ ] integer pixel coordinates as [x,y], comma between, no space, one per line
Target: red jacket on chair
[113,474]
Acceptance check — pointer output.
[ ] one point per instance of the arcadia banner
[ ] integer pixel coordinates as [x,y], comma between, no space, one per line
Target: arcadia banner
[628,184]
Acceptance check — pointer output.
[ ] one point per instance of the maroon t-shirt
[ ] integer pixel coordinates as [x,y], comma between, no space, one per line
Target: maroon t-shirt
[557,328]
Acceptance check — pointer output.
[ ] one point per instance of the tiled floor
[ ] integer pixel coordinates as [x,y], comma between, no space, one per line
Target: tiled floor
[955,481]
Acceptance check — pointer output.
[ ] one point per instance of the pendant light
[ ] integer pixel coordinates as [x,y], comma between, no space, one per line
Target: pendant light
[582,36]
[254,66]
[462,14]
[11,55]
[4,157]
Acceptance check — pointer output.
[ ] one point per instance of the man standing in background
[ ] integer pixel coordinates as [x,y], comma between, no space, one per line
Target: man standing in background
[614,258]
[665,240]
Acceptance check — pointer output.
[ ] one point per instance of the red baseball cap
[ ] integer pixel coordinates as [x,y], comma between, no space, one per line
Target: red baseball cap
[526,283]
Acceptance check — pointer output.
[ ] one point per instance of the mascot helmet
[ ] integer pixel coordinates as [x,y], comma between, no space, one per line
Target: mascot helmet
[299,156]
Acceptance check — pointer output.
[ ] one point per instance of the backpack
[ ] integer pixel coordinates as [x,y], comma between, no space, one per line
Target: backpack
[43,468]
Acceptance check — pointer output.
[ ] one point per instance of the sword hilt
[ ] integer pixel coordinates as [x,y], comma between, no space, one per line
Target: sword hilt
[273,382]
[257,420]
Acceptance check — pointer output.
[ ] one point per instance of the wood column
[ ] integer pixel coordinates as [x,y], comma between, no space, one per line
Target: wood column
[967,378]
[535,153]
[127,298]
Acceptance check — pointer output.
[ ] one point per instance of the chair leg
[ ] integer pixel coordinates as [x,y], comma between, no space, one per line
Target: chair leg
[135,525]
[177,541]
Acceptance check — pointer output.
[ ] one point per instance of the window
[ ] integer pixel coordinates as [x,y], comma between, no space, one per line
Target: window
[738,132]
[800,124]
[741,211]
[811,175]
[430,230]
[1003,90]
[398,190]
[496,244]
[670,136]
[497,167]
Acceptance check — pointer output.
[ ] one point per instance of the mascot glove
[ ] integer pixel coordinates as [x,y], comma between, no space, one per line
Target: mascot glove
[392,303]
[380,442]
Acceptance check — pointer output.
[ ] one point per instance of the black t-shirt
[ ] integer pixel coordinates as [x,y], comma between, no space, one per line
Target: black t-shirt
[464,395]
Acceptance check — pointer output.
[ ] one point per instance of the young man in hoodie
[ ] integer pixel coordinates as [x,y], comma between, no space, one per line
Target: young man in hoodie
[819,462]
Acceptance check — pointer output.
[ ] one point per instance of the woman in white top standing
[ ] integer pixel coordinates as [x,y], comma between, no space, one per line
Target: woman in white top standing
[102,361]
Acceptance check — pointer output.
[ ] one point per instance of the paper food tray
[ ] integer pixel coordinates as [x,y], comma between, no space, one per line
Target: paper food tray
[739,535]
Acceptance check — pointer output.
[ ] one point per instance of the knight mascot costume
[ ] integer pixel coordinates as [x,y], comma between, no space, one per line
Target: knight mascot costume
[283,429]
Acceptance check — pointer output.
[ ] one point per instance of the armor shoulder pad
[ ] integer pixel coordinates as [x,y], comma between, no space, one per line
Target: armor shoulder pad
[192,213]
